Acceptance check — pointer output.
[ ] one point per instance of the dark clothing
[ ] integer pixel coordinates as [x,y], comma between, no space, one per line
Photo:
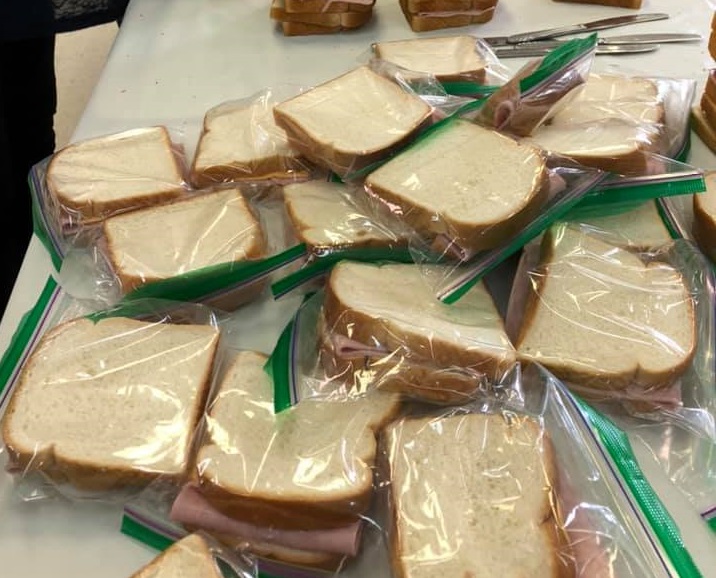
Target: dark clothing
[28,100]
[23,19]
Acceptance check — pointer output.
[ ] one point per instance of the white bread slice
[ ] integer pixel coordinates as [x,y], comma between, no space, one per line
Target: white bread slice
[704,227]
[612,124]
[102,176]
[112,403]
[472,495]
[197,232]
[190,557]
[352,121]
[394,307]
[602,319]
[241,142]
[640,229]
[447,58]
[323,218]
[468,184]
[310,466]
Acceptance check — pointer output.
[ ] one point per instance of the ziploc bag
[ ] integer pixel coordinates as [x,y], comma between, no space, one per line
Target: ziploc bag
[85,182]
[379,327]
[585,521]
[363,117]
[98,404]
[331,221]
[465,65]
[539,89]
[634,330]
[622,123]
[471,197]
[219,247]
[240,142]
[198,555]
[296,489]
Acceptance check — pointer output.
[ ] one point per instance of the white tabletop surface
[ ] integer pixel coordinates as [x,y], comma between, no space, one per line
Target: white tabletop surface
[174,59]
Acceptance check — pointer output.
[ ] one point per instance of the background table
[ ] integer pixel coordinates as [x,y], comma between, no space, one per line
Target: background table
[174,59]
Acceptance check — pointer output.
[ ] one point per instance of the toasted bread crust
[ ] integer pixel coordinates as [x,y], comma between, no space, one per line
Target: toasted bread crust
[708,106]
[635,4]
[702,127]
[328,19]
[314,6]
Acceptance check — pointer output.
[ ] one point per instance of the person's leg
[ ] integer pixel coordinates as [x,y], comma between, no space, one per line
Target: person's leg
[28,100]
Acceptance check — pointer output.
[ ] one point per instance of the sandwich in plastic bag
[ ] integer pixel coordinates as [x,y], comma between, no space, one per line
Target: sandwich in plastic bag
[219,246]
[362,117]
[471,197]
[514,484]
[619,326]
[379,327]
[198,555]
[463,64]
[622,123]
[85,182]
[539,89]
[429,15]
[102,403]
[240,141]
[302,17]
[331,221]
[296,488]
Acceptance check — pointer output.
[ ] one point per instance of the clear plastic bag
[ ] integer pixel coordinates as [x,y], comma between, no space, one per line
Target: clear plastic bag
[465,65]
[82,184]
[627,329]
[621,123]
[220,247]
[101,403]
[378,326]
[580,519]
[331,221]
[363,117]
[240,142]
[540,89]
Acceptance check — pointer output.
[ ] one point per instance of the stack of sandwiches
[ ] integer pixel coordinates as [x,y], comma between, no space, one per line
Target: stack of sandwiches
[703,114]
[704,225]
[307,17]
[635,4]
[427,15]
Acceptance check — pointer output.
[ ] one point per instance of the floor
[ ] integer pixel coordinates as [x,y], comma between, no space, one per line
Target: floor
[79,59]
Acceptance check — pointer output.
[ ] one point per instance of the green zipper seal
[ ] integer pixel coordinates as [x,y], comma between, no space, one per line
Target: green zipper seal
[323,264]
[23,334]
[662,524]
[278,369]
[467,88]
[639,192]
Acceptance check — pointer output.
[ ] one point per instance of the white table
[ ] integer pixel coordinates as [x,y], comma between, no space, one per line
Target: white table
[174,59]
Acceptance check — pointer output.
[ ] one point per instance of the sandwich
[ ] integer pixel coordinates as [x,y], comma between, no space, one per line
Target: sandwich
[292,487]
[300,23]
[198,232]
[241,142]
[447,58]
[93,179]
[703,114]
[638,229]
[325,217]
[704,227]
[352,121]
[327,6]
[608,323]
[190,557]
[464,187]
[382,327]
[615,123]
[472,495]
[428,15]
[110,404]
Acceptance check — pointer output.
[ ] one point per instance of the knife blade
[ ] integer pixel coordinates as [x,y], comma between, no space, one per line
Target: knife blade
[656,38]
[601,24]
[532,49]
